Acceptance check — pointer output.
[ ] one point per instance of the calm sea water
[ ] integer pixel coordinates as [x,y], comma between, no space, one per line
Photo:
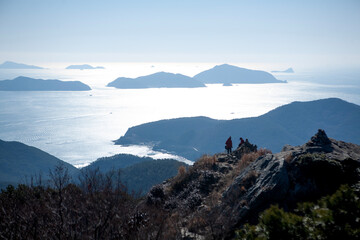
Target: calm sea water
[79,127]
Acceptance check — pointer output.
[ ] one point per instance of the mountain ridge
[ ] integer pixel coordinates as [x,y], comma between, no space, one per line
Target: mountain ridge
[14,65]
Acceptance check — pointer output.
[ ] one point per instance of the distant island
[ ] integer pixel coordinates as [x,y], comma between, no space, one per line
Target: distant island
[157,80]
[289,124]
[84,67]
[228,74]
[31,84]
[289,70]
[14,65]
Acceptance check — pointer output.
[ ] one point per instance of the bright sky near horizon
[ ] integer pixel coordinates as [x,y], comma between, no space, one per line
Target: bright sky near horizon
[322,32]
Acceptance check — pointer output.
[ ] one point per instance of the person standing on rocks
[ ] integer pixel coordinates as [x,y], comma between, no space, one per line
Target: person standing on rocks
[241,141]
[228,145]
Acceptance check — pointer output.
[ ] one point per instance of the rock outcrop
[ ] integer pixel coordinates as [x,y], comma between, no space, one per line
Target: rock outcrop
[222,192]
[296,174]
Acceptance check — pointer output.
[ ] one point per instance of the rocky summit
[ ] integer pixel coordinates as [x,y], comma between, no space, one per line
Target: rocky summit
[220,193]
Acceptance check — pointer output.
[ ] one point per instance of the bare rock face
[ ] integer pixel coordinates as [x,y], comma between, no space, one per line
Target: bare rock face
[296,174]
[262,183]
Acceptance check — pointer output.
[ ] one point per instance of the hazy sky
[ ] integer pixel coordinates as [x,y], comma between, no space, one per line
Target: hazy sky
[291,32]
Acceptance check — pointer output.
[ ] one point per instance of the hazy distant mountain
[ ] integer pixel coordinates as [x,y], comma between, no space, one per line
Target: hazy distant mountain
[14,65]
[157,80]
[139,174]
[289,70]
[290,124]
[19,161]
[227,74]
[31,84]
[83,67]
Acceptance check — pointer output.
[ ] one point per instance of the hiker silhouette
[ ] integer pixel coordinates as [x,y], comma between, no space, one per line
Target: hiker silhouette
[228,145]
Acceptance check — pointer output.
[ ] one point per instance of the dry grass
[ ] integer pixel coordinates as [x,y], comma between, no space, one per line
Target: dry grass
[245,161]
[248,158]
[197,223]
[289,157]
[249,180]
[205,162]
[182,171]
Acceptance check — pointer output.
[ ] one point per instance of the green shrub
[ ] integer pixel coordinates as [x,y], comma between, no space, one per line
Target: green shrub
[332,217]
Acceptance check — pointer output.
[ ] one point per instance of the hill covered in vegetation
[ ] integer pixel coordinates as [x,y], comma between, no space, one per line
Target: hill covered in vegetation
[289,124]
[117,161]
[138,174]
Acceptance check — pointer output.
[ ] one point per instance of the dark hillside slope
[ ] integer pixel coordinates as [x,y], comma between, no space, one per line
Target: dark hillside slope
[117,161]
[289,124]
[142,176]
[18,161]
[139,174]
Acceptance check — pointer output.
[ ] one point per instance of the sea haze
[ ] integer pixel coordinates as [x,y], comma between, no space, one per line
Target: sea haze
[79,127]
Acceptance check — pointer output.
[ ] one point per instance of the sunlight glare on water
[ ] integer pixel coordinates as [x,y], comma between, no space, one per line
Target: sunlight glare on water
[79,127]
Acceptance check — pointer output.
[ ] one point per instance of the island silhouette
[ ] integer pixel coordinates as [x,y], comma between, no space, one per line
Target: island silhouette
[30,84]
[289,70]
[156,80]
[84,67]
[228,74]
